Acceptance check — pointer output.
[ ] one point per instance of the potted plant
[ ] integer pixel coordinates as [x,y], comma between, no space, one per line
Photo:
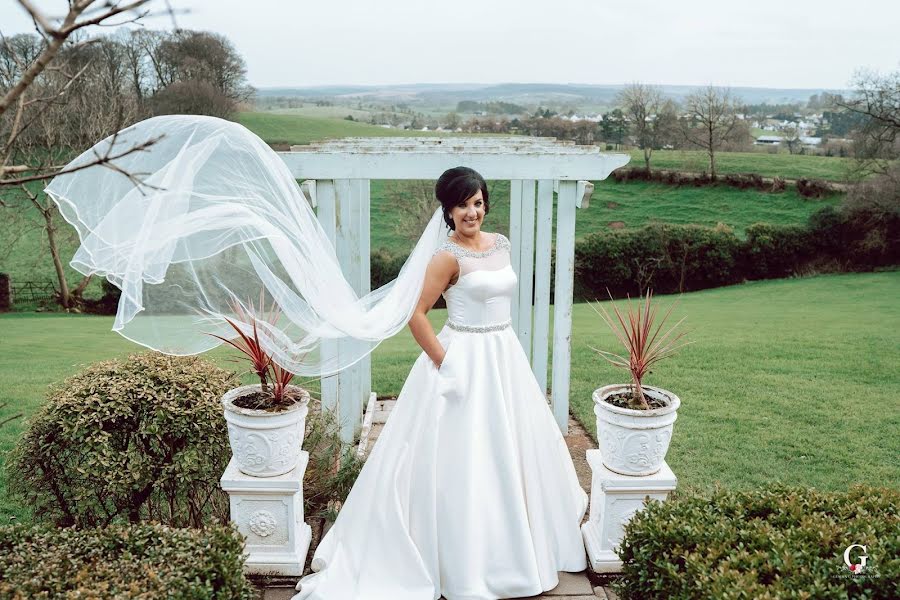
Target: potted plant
[635,421]
[266,421]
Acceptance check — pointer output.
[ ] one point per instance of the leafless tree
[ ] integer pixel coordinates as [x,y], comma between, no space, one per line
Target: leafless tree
[877,143]
[791,136]
[49,105]
[418,201]
[712,120]
[652,118]
[6,420]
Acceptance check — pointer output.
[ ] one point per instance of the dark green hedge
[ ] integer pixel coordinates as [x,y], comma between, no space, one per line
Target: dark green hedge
[680,258]
[124,562]
[777,542]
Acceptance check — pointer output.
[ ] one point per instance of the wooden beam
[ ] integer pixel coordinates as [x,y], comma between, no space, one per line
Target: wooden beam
[543,249]
[429,165]
[526,266]
[515,240]
[562,301]
[326,213]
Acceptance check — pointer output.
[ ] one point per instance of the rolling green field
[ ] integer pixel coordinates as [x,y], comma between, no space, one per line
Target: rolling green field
[24,255]
[277,128]
[293,128]
[634,204]
[792,380]
[829,168]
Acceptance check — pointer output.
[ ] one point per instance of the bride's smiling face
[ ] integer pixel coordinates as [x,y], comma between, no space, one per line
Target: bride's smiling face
[469,215]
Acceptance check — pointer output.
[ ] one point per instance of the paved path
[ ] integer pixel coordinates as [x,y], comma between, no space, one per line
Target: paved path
[572,586]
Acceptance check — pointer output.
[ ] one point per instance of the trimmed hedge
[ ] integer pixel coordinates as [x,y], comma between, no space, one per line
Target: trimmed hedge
[123,562]
[808,188]
[776,542]
[679,258]
[138,439]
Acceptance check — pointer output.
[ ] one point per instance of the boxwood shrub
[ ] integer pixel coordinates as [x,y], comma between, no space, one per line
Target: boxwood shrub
[779,541]
[145,561]
[138,439]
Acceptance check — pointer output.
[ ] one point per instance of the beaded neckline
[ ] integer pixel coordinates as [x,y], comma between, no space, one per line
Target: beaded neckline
[460,251]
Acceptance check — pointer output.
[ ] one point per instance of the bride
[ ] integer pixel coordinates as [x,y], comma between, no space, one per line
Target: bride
[469,492]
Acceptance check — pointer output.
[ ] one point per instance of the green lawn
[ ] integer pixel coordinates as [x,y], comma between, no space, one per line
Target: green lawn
[782,164]
[635,204]
[791,380]
[277,128]
[293,128]
[23,245]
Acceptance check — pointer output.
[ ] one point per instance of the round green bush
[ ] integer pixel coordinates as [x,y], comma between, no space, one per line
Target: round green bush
[779,541]
[126,562]
[139,439]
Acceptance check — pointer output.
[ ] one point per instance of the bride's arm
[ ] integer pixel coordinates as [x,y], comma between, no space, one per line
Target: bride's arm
[440,271]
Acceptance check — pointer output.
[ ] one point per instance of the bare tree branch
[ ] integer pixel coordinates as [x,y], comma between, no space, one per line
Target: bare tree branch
[105,160]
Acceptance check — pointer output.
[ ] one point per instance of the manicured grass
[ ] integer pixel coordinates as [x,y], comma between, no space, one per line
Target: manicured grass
[791,380]
[276,128]
[782,164]
[635,204]
[294,128]
[23,246]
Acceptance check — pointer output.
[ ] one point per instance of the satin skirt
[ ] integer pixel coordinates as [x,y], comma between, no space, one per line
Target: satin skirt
[469,491]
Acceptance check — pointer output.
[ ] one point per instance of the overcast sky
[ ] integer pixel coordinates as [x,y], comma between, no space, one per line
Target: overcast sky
[766,43]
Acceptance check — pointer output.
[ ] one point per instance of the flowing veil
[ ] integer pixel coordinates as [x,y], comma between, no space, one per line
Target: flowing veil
[208,223]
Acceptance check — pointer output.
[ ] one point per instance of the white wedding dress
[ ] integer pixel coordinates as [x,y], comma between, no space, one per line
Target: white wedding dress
[469,492]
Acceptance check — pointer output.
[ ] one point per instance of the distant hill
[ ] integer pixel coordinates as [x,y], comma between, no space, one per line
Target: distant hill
[523,93]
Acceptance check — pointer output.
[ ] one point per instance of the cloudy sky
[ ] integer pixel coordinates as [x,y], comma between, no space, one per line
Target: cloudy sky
[767,43]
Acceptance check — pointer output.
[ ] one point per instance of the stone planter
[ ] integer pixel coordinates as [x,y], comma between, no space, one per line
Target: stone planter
[634,442]
[265,444]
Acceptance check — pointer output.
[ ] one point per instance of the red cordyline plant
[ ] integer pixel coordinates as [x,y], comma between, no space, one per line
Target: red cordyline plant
[644,346]
[260,360]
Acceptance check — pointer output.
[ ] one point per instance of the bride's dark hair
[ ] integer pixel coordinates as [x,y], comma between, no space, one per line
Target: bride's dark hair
[457,185]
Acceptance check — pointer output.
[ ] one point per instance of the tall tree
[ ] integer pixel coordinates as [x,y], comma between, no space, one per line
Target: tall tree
[877,103]
[50,84]
[651,117]
[712,120]
[614,126]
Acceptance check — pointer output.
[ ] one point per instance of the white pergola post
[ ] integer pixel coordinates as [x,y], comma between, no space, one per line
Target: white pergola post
[338,174]
[543,251]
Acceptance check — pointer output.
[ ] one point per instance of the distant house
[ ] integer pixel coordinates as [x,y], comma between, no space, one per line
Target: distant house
[810,141]
[769,140]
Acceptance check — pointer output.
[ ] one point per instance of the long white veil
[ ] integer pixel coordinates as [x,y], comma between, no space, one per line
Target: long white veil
[216,221]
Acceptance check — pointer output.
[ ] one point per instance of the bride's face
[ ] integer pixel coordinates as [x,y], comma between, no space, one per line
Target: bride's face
[468,215]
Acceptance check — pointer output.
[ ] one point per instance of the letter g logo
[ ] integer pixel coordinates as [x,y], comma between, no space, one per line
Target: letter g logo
[856,568]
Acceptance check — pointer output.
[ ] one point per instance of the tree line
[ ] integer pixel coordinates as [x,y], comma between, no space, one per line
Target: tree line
[63,89]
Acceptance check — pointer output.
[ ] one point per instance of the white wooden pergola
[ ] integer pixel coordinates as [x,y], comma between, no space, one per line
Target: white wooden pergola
[336,176]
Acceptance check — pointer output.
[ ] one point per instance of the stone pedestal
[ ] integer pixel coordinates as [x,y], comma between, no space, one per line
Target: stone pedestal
[614,500]
[268,511]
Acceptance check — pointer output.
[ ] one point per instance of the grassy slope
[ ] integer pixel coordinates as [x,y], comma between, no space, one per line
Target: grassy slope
[790,379]
[635,204]
[281,128]
[25,257]
[278,128]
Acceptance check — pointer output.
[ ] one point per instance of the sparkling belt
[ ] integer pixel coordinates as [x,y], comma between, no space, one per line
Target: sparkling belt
[479,328]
